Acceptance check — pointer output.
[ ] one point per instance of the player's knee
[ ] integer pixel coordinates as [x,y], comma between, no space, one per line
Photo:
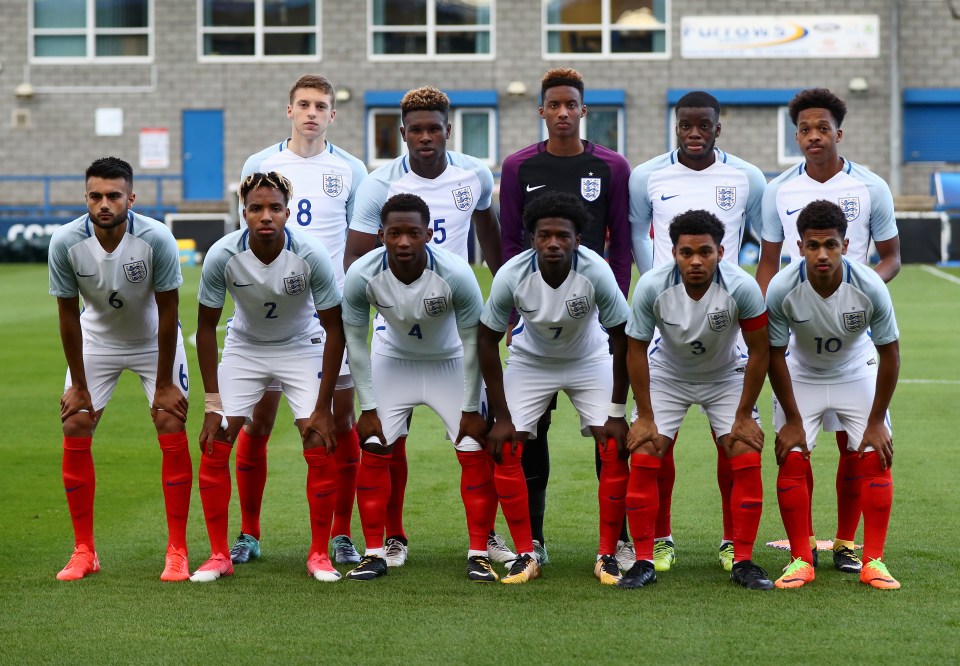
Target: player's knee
[166,423]
[79,425]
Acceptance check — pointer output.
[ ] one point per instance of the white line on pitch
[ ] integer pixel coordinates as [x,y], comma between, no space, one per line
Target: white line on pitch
[941,274]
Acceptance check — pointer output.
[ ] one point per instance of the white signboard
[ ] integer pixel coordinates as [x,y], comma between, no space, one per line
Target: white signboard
[109,122]
[154,148]
[846,36]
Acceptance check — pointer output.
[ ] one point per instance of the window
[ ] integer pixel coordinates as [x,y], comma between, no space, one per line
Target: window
[926,114]
[244,30]
[788,152]
[603,124]
[419,29]
[605,28]
[91,30]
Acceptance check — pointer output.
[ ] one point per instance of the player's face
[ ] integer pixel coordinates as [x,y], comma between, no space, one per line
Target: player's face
[555,239]
[426,134]
[697,256]
[697,132]
[108,200]
[311,112]
[562,110]
[405,234]
[266,213]
[823,250]
[818,135]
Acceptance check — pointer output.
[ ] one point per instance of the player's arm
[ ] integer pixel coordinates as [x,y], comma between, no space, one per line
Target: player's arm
[77,397]
[889,264]
[488,234]
[368,423]
[511,211]
[167,396]
[791,435]
[488,349]
[745,429]
[876,434]
[358,244]
[619,250]
[644,428]
[641,216]
[319,430]
[472,422]
[213,418]
[615,426]
[769,262]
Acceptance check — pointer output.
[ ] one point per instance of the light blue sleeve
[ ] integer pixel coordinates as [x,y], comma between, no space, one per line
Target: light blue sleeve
[486,185]
[883,322]
[778,328]
[166,255]
[323,283]
[642,321]
[746,293]
[63,279]
[771,229]
[213,287]
[467,297]
[359,171]
[611,304]
[369,199]
[641,215]
[356,306]
[496,311]
[883,222]
[754,210]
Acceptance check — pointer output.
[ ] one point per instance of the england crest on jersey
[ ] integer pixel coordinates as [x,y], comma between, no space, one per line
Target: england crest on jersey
[726,197]
[332,184]
[435,306]
[295,285]
[463,198]
[719,321]
[136,271]
[855,321]
[590,188]
[578,307]
[850,207]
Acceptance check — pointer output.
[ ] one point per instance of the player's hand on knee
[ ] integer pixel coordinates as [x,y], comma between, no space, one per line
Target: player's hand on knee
[320,431]
[791,436]
[76,399]
[501,433]
[474,426]
[169,399]
[745,430]
[616,429]
[642,431]
[212,430]
[370,432]
[877,436]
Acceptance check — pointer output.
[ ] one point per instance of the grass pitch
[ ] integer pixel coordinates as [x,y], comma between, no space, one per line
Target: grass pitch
[427,612]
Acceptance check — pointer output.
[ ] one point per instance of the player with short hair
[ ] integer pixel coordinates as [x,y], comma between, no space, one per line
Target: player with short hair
[566,295]
[429,302]
[126,268]
[286,327]
[700,305]
[325,179]
[868,206]
[598,176]
[834,349]
[458,190]
[697,175]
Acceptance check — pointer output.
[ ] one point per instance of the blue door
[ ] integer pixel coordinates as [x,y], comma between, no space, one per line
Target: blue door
[203,155]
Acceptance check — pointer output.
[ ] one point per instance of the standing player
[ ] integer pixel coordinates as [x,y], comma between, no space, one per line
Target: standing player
[430,303]
[599,176]
[286,327]
[697,175]
[700,305]
[868,206]
[325,179]
[458,190]
[566,295]
[126,267]
[826,316]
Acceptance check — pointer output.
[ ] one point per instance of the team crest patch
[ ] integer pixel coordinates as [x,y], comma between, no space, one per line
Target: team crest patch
[590,188]
[726,197]
[435,306]
[463,198]
[719,321]
[332,184]
[850,207]
[855,321]
[136,271]
[578,307]
[294,285]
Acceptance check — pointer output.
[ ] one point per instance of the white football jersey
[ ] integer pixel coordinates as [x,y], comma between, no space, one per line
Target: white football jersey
[464,186]
[117,288]
[276,303]
[556,325]
[698,339]
[418,321]
[833,338]
[862,195]
[662,188]
[324,189]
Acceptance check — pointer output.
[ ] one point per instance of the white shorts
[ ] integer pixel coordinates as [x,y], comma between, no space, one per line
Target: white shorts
[344,379]
[103,372]
[850,401]
[671,398]
[243,378]
[400,384]
[529,388]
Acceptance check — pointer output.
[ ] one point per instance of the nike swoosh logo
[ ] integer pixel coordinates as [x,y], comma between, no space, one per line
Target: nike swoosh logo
[750,505]
[482,485]
[177,483]
[381,305]
[794,211]
[664,197]
[852,478]
[615,499]
[793,580]
[879,485]
[531,189]
[241,285]
[70,490]
[785,490]
[527,311]
[326,494]
[82,275]
[245,468]
[799,321]
[350,461]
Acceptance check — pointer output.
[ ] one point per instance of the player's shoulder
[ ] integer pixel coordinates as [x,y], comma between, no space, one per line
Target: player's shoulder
[366,267]
[353,161]
[863,277]
[229,245]
[254,163]
[464,162]
[444,261]
[518,266]
[654,164]
[75,231]
[740,164]
[522,155]
[863,174]
[609,156]
[149,230]
[786,280]
[588,261]
[304,244]
[735,278]
[793,172]
[659,277]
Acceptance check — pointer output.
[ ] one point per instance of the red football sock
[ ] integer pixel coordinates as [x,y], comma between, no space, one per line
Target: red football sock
[642,502]
[848,491]
[877,499]
[511,487]
[176,472]
[809,480]
[373,493]
[746,503]
[398,488]
[611,494]
[479,496]
[725,484]
[251,479]
[215,495]
[321,495]
[666,477]
[794,500]
[80,484]
[348,466]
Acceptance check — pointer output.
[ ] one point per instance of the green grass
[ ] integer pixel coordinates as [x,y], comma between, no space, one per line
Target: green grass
[427,612]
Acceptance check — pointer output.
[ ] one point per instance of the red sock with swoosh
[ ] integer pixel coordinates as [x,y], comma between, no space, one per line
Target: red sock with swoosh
[848,490]
[373,493]
[612,495]
[176,473]
[877,498]
[321,495]
[512,492]
[643,499]
[80,484]
[215,495]
[251,480]
[794,500]
[746,503]
[479,496]
[398,489]
[348,466]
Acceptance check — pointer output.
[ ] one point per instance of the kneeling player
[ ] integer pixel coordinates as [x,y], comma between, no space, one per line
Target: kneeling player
[699,303]
[563,293]
[286,299]
[832,307]
[426,354]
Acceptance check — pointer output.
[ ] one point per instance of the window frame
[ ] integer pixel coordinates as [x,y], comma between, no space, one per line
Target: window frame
[90,32]
[259,30]
[606,26]
[430,28]
[785,138]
